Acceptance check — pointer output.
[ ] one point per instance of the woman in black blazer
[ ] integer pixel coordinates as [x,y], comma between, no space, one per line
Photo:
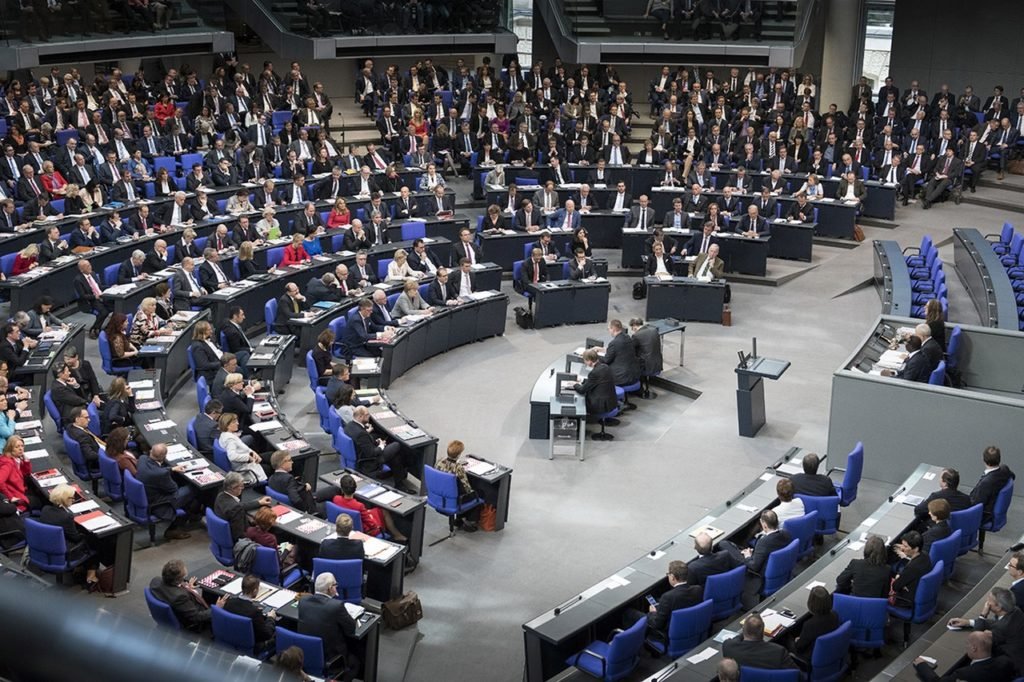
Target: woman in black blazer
[867,577]
[205,355]
[56,514]
[823,620]
[322,356]
[938,511]
[118,407]
[246,264]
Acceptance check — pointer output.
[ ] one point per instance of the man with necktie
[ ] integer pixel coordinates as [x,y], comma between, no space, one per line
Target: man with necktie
[465,248]
[290,306]
[90,296]
[211,274]
[186,287]
[946,170]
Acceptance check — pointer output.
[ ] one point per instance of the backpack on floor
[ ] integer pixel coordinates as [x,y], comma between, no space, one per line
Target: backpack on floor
[524,318]
[640,290]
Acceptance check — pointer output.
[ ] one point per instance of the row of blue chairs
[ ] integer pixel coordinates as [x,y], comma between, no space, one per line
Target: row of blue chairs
[1010,248]
[928,280]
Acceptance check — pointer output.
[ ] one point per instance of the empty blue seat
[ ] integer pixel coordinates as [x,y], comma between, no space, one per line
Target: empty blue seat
[968,522]
[847,491]
[725,591]
[221,544]
[801,529]
[867,617]
[828,512]
[779,568]
[999,511]
[614,660]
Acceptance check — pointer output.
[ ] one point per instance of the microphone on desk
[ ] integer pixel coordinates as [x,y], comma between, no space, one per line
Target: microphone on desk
[562,607]
[1018,547]
[845,541]
[667,672]
[663,547]
[896,494]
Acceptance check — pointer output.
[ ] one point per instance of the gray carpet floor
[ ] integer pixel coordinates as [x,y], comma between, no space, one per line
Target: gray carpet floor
[573,523]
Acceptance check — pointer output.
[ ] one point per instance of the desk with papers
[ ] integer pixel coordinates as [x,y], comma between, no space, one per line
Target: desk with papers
[169,352]
[550,638]
[38,369]
[892,518]
[271,425]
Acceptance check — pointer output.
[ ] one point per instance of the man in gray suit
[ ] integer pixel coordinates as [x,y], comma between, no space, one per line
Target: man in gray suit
[642,216]
[647,341]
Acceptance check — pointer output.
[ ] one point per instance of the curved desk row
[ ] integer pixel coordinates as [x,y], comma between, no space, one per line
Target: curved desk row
[985,279]
[94,517]
[745,255]
[892,518]
[643,179]
[892,279]
[169,353]
[947,646]
[556,634]
[38,368]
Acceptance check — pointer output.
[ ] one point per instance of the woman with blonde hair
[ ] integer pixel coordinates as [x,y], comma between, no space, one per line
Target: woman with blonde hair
[399,268]
[243,459]
[205,353]
[146,323]
[246,264]
[27,259]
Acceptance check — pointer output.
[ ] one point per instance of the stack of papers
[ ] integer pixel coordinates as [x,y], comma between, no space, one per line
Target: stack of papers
[266,426]
[280,599]
[30,425]
[143,383]
[387,497]
[478,467]
[160,425]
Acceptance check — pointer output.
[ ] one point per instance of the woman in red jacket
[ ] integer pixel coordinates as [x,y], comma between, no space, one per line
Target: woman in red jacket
[26,259]
[14,470]
[340,215]
[375,519]
[164,109]
[52,180]
[294,254]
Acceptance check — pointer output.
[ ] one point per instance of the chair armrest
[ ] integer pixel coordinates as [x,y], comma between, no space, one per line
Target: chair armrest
[829,472]
[913,249]
[612,635]
[996,235]
[604,662]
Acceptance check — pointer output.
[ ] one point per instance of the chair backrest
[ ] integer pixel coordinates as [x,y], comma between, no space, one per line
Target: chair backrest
[46,546]
[276,496]
[322,408]
[220,456]
[442,490]
[112,478]
[136,502]
[517,273]
[312,649]
[220,538]
[51,409]
[830,655]
[968,522]
[725,590]
[94,419]
[333,510]
[110,274]
[779,568]
[1000,508]
[765,675]
[689,627]
[191,361]
[232,630]
[270,314]
[624,651]
[314,376]
[828,512]
[202,393]
[945,551]
[105,357]
[161,611]
[346,449]
[953,348]
[74,451]
[851,479]
[867,616]
[266,565]
[938,375]
[414,229]
[348,573]
[926,598]
[190,433]
[802,529]
[275,256]
[382,268]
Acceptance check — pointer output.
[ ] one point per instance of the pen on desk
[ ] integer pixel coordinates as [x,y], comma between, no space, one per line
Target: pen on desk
[896,494]
[565,605]
[839,545]
[664,675]
[663,547]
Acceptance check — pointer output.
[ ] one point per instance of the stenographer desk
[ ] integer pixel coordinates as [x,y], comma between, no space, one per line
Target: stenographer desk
[569,302]
[892,518]
[48,471]
[685,298]
[38,368]
[550,638]
[446,328]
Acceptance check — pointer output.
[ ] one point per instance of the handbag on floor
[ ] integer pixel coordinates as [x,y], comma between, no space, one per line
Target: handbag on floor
[403,611]
[488,518]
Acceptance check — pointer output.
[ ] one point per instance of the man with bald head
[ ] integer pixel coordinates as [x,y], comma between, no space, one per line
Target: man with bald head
[158,259]
[708,561]
[978,666]
[164,494]
[930,348]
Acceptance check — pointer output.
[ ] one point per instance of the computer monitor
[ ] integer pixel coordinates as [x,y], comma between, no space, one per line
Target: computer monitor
[564,383]
[592,343]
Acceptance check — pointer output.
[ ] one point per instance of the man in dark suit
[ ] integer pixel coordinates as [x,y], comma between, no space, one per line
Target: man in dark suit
[680,595]
[181,593]
[439,293]
[750,650]
[599,385]
[163,492]
[229,505]
[371,455]
[322,288]
[1001,616]
[342,547]
[978,666]
[581,267]
[78,430]
[771,538]
[290,306]
[620,355]
[67,394]
[360,330]
[206,427]
[647,342]
[534,270]
[916,367]
[944,172]
[810,482]
[753,224]
[708,561]
[322,615]
[466,248]
[211,275]
[1015,567]
[995,477]
[949,483]
[13,349]
[244,604]
[421,259]
[300,495]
